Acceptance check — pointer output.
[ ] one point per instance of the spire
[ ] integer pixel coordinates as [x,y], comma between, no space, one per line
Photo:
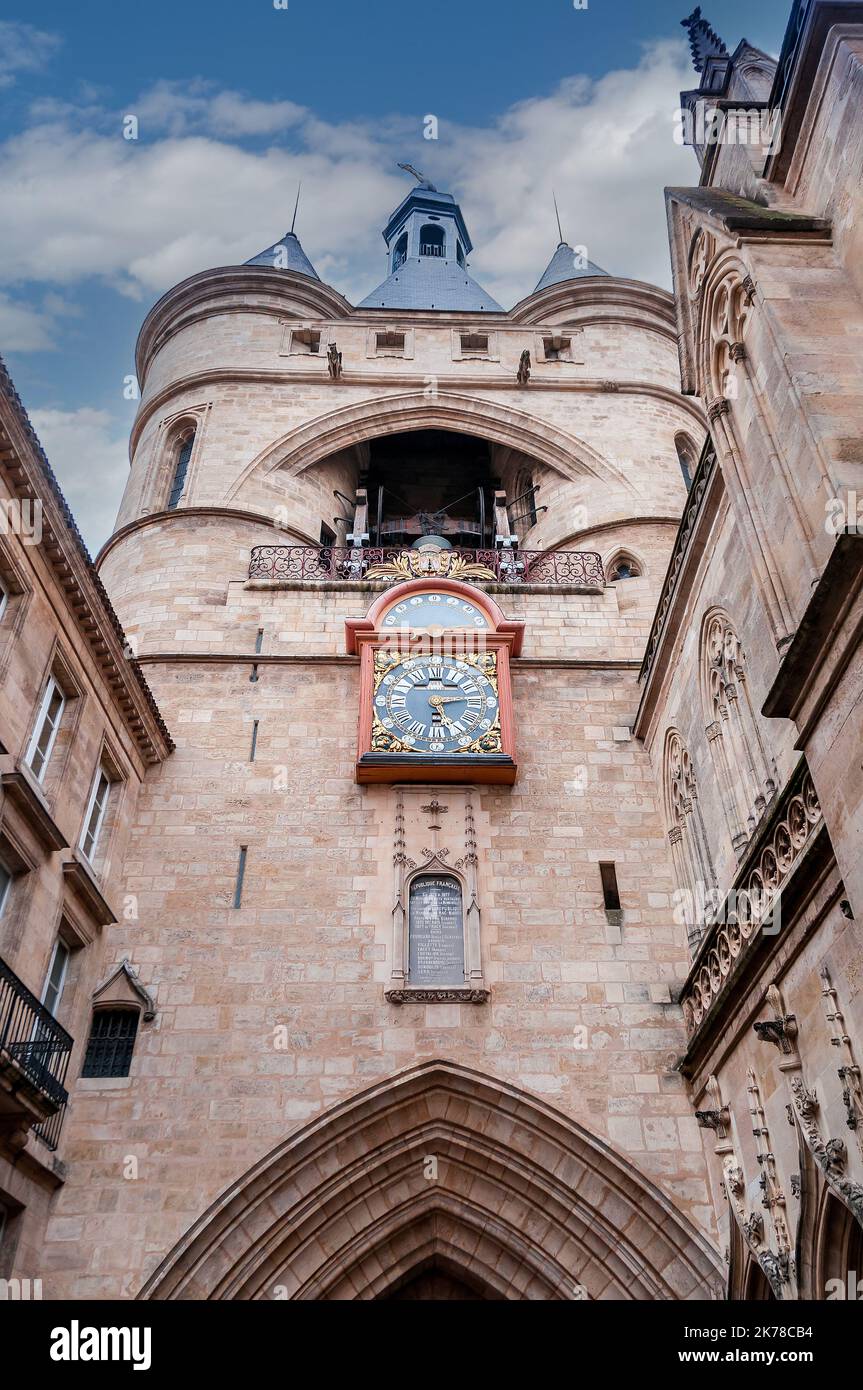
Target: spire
[567,263]
[560,237]
[703,40]
[287,254]
[428,245]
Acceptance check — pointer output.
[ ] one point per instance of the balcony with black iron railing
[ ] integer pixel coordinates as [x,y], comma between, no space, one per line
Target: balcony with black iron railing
[34,1058]
[581,569]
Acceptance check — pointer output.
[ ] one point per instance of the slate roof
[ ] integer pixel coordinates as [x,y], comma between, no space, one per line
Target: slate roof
[428,282]
[292,257]
[565,264]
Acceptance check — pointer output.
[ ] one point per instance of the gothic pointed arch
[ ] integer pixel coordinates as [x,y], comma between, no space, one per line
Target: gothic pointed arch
[349,425]
[440,1164]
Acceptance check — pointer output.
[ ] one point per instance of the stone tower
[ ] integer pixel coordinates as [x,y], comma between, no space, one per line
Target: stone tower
[285,442]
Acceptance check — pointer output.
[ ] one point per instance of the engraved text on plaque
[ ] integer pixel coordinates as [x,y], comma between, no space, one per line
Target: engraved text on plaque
[436,928]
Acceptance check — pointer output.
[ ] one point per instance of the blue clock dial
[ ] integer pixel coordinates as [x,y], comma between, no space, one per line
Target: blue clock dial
[422,611]
[436,704]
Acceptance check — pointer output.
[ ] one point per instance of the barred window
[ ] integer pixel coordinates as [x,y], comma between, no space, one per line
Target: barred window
[111,1043]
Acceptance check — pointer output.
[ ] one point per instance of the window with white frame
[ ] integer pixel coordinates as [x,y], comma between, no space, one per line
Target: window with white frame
[45,730]
[95,817]
[53,991]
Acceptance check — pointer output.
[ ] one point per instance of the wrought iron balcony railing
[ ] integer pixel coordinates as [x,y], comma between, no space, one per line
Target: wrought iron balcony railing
[33,1041]
[580,568]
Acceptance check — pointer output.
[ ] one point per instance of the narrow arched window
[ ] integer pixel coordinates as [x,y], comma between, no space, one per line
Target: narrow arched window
[400,253]
[111,1042]
[432,240]
[181,468]
[624,567]
[459,253]
[687,457]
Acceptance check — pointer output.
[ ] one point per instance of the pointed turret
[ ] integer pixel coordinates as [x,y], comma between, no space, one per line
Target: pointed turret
[286,254]
[428,245]
[567,263]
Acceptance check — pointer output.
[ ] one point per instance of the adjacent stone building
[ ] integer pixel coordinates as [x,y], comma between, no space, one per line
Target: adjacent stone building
[560,1004]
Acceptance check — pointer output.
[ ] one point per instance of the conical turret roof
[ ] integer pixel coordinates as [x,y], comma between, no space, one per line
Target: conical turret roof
[567,264]
[286,254]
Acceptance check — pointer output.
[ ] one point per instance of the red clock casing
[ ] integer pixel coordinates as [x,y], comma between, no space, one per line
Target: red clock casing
[435,688]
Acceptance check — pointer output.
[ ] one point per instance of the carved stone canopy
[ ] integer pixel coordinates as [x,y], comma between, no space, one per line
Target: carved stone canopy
[122,989]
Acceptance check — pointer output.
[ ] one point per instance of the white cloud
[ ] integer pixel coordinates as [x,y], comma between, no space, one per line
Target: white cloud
[82,201]
[27,326]
[23,49]
[90,455]
[24,327]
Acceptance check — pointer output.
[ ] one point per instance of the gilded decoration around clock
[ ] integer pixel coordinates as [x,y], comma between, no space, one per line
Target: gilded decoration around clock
[449,733]
[414,564]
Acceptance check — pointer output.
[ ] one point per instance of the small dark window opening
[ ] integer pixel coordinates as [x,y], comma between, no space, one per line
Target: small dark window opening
[557,349]
[459,253]
[400,254]
[241,874]
[686,457]
[180,470]
[432,241]
[390,343]
[624,568]
[610,894]
[306,342]
[474,342]
[111,1043]
[254,746]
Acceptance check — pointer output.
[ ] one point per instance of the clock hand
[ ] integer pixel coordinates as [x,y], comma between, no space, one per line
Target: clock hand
[437,700]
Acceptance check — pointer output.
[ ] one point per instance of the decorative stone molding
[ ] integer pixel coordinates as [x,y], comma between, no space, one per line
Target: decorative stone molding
[769,863]
[803,1111]
[435,858]
[848,1072]
[703,474]
[777,1265]
[123,987]
[687,835]
[279,1224]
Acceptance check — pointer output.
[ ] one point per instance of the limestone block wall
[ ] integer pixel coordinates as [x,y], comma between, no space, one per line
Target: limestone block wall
[580,1011]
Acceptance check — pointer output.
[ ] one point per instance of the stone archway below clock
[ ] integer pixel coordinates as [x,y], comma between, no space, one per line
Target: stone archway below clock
[520,1203]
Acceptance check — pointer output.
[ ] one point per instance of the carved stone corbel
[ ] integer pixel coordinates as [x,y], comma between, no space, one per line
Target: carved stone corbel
[717,1117]
[781,1029]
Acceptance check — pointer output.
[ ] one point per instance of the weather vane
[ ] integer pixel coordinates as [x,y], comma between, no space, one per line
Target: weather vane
[420,178]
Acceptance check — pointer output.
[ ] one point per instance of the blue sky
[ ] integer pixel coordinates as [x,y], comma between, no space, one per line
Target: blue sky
[237,100]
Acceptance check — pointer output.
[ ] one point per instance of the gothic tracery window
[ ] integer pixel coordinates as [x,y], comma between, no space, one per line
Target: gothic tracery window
[623,566]
[745,773]
[690,852]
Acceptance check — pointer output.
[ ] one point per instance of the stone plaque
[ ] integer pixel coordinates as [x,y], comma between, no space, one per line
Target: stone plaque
[436,929]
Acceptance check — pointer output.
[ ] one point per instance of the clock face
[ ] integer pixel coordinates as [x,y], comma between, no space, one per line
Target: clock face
[422,611]
[438,705]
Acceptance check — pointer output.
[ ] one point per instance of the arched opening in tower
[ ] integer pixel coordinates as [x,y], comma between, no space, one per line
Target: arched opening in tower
[431,482]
